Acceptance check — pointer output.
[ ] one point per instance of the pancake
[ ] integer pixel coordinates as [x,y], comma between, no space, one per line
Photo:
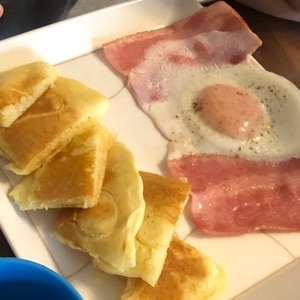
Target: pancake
[63,111]
[21,87]
[165,199]
[73,178]
[108,229]
[187,274]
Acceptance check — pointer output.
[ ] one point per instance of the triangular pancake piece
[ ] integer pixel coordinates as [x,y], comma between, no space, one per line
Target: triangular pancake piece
[63,111]
[21,87]
[108,230]
[73,178]
[165,199]
[187,274]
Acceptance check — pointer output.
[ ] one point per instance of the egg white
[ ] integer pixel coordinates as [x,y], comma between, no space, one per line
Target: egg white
[278,139]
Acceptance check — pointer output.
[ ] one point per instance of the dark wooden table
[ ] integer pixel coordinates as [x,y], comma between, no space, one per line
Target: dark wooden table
[5,250]
[280,53]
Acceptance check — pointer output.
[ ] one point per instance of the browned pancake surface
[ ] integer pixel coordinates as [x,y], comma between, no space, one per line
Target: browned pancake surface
[187,274]
[63,111]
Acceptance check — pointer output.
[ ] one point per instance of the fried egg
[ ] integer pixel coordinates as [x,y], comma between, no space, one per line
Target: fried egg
[240,110]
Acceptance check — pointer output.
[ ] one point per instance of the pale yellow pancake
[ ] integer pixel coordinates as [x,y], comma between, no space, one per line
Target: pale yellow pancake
[108,230]
[62,112]
[187,275]
[165,199]
[73,178]
[21,87]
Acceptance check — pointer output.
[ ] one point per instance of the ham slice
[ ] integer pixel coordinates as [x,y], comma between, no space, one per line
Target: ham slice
[153,78]
[231,195]
[126,53]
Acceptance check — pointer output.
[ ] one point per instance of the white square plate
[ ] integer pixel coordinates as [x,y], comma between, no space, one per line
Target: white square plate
[74,46]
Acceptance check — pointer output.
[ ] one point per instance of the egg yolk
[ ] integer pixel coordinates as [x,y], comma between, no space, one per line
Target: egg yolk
[230,111]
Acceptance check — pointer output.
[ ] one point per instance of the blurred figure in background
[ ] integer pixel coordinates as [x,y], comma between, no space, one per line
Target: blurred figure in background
[285,9]
[18,16]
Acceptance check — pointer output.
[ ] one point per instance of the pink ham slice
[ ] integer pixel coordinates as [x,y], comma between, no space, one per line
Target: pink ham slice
[233,196]
[126,53]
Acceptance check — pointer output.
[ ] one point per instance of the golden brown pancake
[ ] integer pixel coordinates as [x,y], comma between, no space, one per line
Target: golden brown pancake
[108,229]
[21,87]
[187,275]
[73,178]
[63,111]
[165,199]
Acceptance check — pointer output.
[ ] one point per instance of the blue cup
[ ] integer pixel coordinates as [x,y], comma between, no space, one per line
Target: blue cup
[22,279]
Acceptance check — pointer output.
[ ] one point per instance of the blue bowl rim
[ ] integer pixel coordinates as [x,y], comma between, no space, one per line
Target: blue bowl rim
[12,262]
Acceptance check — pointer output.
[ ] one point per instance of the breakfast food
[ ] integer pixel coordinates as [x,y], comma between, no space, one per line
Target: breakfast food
[240,110]
[232,195]
[235,111]
[108,230]
[187,274]
[73,178]
[214,35]
[123,219]
[165,199]
[63,111]
[232,126]
[21,87]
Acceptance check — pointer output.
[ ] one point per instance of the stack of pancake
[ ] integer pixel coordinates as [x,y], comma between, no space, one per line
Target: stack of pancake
[125,219]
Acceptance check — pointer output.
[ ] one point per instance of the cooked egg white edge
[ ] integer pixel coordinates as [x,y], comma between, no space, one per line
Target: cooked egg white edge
[188,134]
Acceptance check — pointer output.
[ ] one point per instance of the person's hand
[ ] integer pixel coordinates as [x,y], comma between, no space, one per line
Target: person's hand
[1,10]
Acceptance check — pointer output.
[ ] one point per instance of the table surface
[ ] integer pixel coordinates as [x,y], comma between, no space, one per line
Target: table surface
[280,53]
